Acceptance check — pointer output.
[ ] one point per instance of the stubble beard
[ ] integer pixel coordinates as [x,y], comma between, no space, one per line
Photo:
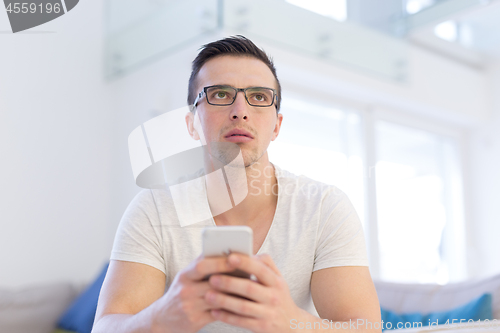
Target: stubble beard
[250,156]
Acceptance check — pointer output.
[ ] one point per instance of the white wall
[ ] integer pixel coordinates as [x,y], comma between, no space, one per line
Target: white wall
[55,144]
[437,87]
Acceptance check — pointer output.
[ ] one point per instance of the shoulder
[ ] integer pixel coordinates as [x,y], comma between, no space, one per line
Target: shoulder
[145,198]
[305,188]
[162,193]
[148,202]
[313,200]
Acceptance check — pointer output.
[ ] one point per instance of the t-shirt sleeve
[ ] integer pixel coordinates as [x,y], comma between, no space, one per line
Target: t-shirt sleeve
[341,240]
[138,237]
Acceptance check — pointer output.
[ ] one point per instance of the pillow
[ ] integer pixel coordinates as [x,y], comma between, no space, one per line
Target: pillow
[34,308]
[80,315]
[425,298]
[478,309]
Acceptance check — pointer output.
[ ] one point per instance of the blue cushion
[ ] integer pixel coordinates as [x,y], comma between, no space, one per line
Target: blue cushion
[80,315]
[478,309]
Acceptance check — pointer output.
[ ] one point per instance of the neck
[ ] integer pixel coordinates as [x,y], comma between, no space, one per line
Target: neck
[260,201]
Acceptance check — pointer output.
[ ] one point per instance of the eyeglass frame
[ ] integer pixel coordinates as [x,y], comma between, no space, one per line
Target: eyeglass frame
[244,90]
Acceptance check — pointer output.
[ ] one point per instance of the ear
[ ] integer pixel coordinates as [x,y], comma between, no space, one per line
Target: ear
[190,126]
[194,127]
[277,126]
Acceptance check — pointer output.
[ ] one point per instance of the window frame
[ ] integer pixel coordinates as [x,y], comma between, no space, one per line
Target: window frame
[369,115]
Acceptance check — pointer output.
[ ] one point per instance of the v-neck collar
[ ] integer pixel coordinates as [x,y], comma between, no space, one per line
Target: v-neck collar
[277,174]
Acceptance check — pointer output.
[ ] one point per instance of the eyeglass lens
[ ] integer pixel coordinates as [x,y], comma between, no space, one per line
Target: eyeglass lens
[226,96]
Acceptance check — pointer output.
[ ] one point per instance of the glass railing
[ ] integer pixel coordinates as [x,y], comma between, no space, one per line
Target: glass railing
[437,11]
[138,35]
[139,32]
[309,33]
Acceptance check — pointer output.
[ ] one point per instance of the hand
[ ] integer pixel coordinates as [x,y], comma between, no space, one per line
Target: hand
[183,307]
[271,308]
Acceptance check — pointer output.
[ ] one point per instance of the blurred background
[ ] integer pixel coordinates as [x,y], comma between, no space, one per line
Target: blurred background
[397,102]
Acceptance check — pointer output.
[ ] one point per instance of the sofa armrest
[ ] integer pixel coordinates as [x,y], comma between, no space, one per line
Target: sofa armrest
[36,308]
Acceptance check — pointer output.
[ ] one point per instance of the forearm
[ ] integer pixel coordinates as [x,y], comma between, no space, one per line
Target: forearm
[141,322]
[308,323]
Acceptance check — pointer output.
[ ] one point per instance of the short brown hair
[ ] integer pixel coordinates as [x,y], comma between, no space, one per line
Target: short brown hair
[237,46]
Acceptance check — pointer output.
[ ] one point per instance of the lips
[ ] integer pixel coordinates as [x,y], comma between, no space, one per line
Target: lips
[238,133]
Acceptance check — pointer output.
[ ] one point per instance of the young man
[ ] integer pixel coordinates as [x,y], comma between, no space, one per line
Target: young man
[308,242]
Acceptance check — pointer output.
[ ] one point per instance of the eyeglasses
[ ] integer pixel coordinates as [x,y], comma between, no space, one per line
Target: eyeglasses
[221,95]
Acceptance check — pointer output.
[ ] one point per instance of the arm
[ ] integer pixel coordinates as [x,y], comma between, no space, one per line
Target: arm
[346,294]
[341,286]
[126,298]
[340,294]
[132,298]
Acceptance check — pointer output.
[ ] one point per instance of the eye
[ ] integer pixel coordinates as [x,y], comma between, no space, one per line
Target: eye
[260,97]
[221,94]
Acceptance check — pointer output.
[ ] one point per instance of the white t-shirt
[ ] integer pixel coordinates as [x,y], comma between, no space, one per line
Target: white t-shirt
[315,226]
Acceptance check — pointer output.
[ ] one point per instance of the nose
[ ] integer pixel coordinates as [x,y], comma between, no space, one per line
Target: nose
[239,108]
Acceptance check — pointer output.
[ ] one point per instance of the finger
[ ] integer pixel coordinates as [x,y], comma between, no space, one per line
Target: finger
[200,304]
[233,319]
[251,265]
[241,287]
[266,258]
[199,289]
[199,269]
[234,304]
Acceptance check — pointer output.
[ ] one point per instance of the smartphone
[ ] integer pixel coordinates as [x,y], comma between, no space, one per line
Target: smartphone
[221,241]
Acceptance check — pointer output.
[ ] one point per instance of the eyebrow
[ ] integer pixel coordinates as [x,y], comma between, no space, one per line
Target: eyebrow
[229,85]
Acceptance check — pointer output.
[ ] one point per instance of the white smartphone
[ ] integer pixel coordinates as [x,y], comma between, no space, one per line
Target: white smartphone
[221,241]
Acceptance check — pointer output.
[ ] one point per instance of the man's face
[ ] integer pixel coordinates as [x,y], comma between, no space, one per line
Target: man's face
[260,124]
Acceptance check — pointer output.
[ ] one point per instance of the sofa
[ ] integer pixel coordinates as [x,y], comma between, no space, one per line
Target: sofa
[432,298]
[38,308]
[50,308]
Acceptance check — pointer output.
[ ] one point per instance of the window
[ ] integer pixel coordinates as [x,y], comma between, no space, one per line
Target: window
[414,203]
[447,30]
[419,229]
[414,6]
[324,144]
[336,9]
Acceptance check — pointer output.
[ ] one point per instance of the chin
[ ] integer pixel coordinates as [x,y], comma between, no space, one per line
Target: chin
[252,157]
